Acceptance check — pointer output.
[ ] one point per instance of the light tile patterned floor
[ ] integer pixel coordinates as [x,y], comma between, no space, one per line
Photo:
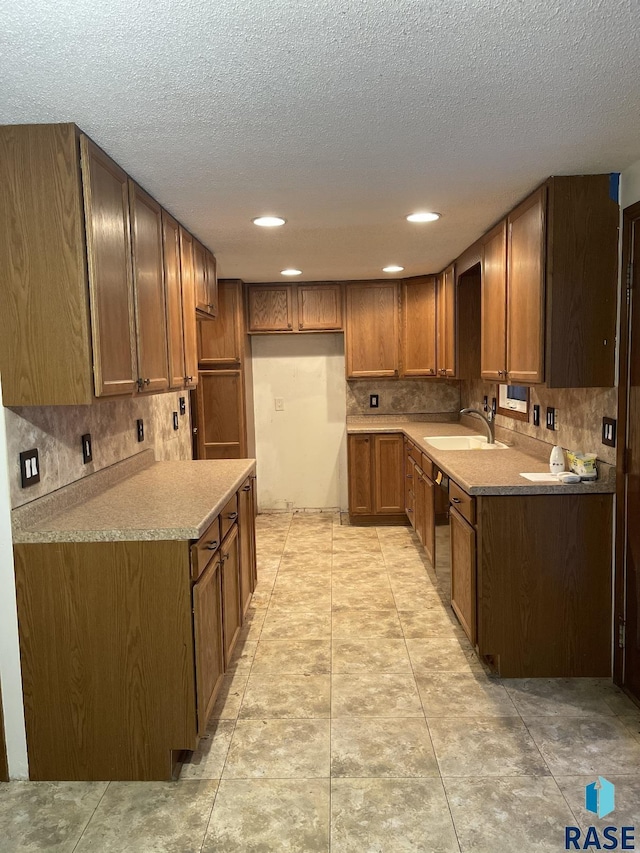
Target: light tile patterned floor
[356,718]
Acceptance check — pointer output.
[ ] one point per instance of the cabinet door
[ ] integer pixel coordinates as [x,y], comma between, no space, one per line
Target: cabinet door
[173,288]
[360,481]
[420,502]
[525,290]
[188,309]
[419,327]
[428,537]
[148,289]
[447,323]
[207,629]
[388,468]
[246,532]
[200,277]
[409,486]
[463,572]
[220,340]
[212,283]
[231,614]
[319,307]
[221,422]
[494,304]
[372,329]
[270,308]
[106,208]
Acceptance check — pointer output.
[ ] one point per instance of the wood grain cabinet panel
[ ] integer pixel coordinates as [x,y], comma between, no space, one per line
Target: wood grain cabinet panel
[463,572]
[388,481]
[372,329]
[231,602]
[494,304]
[173,291]
[220,415]
[246,532]
[188,309]
[212,284]
[446,309]
[418,337]
[319,307]
[220,341]
[208,640]
[270,308]
[360,474]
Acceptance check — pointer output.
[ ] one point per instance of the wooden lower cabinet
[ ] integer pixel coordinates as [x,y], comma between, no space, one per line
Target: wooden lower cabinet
[208,639]
[360,474]
[463,572]
[376,476]
[231,610]
[220,414]
[246,531]
[388,485]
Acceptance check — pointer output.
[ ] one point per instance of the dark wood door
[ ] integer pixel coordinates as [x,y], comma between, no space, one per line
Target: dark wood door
[627,634]
[493,356]
[388,491]
[173,289]
[106,208]
[463,572]
[372,327]
[360,480]
[221,424]
[148,289]
[207,628]
[419,326]
[231,612]
[526,289]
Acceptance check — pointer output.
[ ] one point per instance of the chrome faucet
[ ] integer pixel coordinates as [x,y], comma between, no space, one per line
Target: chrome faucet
[487,420]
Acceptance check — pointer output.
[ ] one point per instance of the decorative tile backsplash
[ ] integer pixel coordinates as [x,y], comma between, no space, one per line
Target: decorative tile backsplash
[580,413]
[403,396]
[56,431]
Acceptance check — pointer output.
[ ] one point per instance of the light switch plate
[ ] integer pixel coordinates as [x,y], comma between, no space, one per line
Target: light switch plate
[29,468]
[609,429]
[279,402]
[175,420]
[87,450]
[551,418]
[182,406]
[374,401]
[140,429]
[536,415]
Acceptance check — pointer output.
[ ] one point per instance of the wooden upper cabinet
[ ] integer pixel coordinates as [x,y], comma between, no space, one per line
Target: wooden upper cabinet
[148,288]
[106,202]
[220,342]
[446,323]
[494,304]
[270,308]
[372,329]
[200,276]
[173,290]
[526,289]
[319,307]
[212,283]
[418,338]
[188,309]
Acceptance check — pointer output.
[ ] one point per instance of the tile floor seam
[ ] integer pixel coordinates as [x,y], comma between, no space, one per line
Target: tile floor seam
[91,816]
[213,804]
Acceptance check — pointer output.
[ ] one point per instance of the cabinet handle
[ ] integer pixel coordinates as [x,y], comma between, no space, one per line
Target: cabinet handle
[147,382]
[211,546]
[226,556]
[409,476]
[188,379]
[232,516]
[456,501]
[289,325]
[431,371]
[247,488]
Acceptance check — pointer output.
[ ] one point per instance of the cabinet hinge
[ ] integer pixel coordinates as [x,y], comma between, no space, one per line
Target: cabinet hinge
[622,634]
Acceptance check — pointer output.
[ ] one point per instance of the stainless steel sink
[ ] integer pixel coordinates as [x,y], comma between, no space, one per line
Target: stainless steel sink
[463,442]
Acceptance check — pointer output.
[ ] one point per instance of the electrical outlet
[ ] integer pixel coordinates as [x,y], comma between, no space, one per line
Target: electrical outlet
[140,429]
[87,452]
[536,415]
[182,405]
[175,420]
[374,401]
[552,418]
[29,468]
[609,429]
[279,402]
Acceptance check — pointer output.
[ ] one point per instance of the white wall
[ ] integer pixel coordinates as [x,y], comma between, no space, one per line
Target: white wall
[301,451]
[630,185]
[10,677]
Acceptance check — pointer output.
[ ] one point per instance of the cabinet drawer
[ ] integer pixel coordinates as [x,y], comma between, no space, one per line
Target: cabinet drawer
[229,515]
[427,466]
[204,549]
[415,454]
[464,503]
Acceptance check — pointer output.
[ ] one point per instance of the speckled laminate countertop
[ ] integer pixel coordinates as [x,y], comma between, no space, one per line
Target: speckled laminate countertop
[487,472]
[142,499]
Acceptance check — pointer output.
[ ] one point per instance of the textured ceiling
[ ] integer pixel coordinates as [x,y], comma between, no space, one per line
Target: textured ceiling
[341,115]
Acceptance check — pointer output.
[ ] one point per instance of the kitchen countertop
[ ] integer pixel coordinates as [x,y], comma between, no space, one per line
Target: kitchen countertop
[137,499]
[487,472]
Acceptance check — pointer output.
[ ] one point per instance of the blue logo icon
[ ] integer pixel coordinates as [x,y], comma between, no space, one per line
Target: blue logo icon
[600,797]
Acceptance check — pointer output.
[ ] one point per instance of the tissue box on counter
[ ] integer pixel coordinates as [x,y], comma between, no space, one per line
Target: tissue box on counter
[583,464]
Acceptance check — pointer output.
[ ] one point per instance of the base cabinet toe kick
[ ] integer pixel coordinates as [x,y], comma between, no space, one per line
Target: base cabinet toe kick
[124,645]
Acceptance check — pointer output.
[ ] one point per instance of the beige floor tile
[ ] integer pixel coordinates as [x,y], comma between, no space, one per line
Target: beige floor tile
[294,582]
[432,622]
[305,563]
[208,760]
[485,746]
[229,699]
[279,815]
[291,696]
[632,723]
[374,695]
[49,816]
[454,694]
[351,547]
[508,815]
[267,563]
[293,656]
[441,654]
[358,563]
[310,600]
[306,549]
[242,657]
[369,655]
[365,746]
[350,598]
[564,697]
[627,799]
[279,749]
[365,623]
[364,581]
[577,746]
[158,816]
[417,599]
[390,816]
[299,625]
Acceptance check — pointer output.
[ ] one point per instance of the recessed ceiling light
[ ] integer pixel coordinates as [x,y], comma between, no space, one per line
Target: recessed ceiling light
[268,221]
[392,268]
[291,272]
[423,216]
